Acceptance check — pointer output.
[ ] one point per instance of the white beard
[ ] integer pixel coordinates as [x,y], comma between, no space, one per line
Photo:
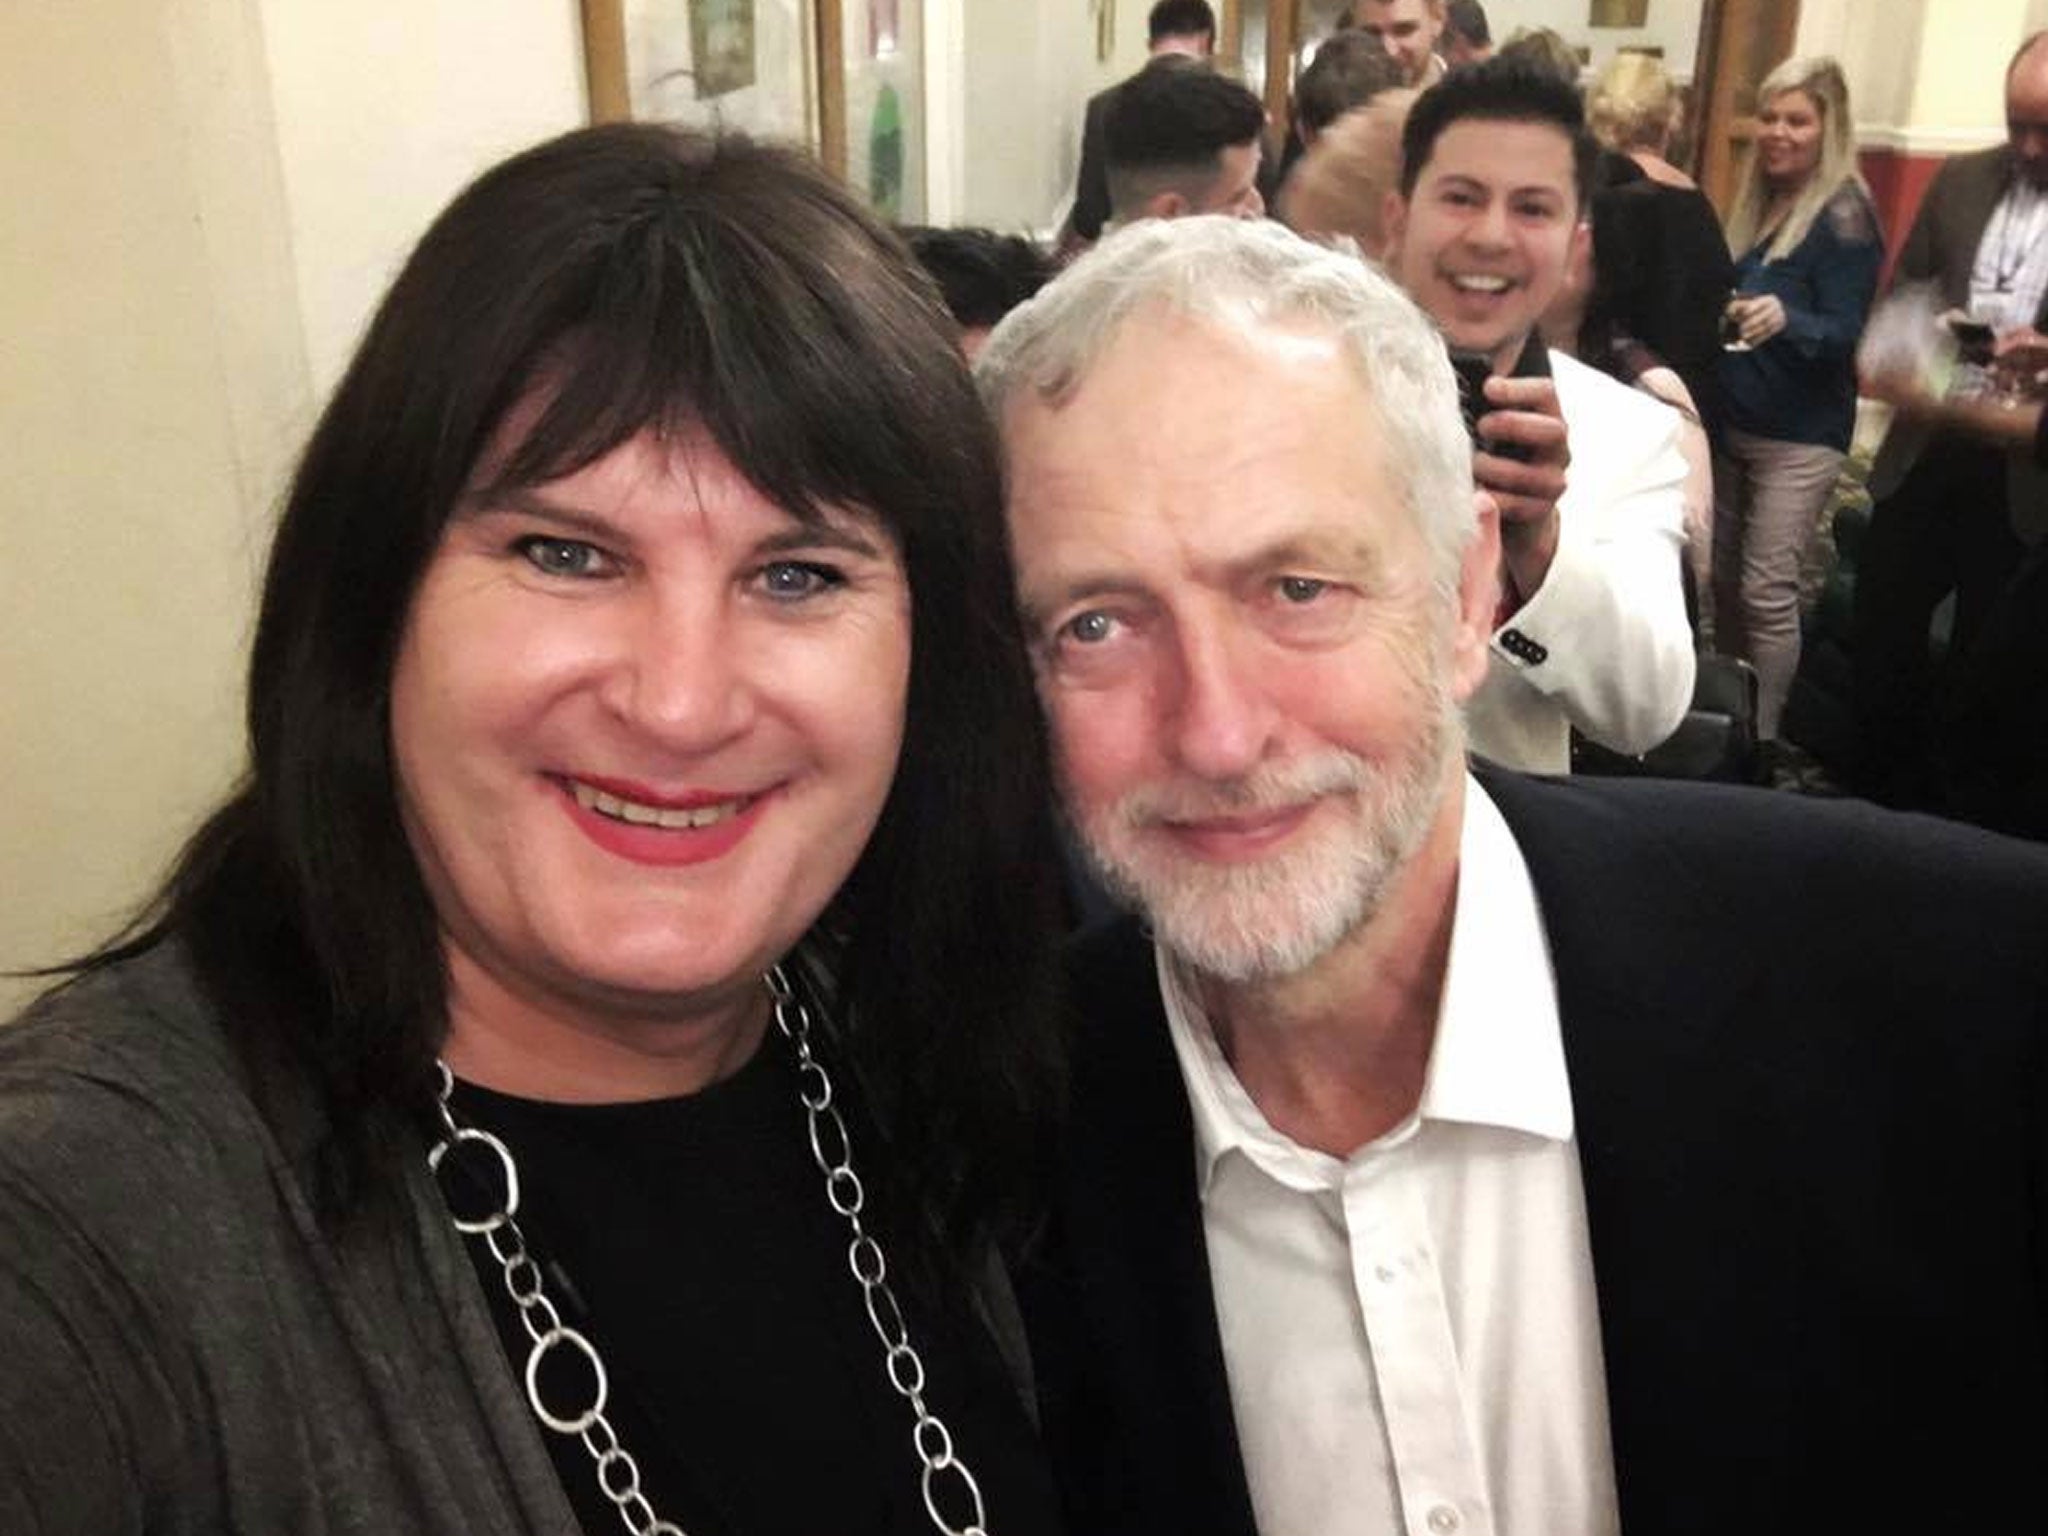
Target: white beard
[1276,916]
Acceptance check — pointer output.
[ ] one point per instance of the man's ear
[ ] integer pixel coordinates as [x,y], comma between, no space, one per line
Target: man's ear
[1393,225]
[1580,257]
[1165,205]
[1478,600]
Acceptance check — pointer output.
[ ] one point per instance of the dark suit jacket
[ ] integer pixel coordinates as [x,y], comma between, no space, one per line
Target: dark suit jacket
[1091,182]
[1941,248]
[1806,1053]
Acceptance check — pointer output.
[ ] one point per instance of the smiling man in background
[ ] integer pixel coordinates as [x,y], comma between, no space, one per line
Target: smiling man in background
[1591,631]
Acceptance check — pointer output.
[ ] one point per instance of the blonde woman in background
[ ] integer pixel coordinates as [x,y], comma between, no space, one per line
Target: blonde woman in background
[1807,248]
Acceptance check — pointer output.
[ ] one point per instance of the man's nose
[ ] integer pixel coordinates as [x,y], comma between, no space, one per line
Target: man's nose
[1489,225]
[1224,720]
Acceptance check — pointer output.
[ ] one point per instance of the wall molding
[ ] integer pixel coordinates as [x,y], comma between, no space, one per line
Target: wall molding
[1916,140]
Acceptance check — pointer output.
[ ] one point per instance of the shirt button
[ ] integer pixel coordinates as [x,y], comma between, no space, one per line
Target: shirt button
[1443,1519]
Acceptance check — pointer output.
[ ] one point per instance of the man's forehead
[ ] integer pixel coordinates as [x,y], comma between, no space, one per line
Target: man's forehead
[1188,393]
[1381,12]
[1123,366]
[2026,93]
[1522,154]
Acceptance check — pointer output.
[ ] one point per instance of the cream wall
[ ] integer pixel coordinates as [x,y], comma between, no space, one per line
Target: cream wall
[153,358]
[384,109]
[204,198]
[1957,88]
[1672,25]
[1926,81]
[1027,69]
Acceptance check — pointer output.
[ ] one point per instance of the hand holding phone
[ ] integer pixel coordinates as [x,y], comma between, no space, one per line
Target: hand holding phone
[1975,340]
[1521,452]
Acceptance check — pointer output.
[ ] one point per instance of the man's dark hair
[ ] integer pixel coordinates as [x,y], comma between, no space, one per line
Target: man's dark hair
[1181,18]
[1166,127]
[620,280]
[1349,69]
[1466,19]
[982,275]
[1499,90]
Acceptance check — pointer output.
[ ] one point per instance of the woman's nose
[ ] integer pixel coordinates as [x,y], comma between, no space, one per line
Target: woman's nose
[680,675]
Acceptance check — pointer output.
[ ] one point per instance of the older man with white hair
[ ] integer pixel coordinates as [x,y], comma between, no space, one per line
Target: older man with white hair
[1472,1155]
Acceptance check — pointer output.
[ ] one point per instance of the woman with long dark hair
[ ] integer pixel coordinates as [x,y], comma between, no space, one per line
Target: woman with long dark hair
[585,1073]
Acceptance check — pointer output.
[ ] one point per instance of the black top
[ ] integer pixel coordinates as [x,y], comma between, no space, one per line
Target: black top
[1662,278]
[691,1241]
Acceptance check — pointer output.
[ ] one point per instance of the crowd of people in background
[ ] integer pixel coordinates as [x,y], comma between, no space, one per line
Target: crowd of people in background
[1744,322]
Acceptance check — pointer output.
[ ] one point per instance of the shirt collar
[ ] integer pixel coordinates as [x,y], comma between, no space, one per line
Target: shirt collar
[1498,1056]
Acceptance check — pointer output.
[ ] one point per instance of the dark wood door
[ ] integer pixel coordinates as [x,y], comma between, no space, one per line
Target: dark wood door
[1741,41]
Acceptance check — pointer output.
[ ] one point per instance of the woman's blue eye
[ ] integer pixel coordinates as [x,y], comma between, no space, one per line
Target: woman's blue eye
[793,579]
[1302,589]
[560,557]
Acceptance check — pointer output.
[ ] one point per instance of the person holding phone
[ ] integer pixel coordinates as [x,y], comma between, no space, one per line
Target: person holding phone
[1590,632]
[1808,248]
[1953,511]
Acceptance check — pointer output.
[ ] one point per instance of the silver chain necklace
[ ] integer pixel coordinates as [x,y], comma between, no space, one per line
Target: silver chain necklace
[618,1475]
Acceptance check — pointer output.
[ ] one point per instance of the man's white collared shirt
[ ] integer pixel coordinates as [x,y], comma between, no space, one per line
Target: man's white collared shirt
[1411,1333]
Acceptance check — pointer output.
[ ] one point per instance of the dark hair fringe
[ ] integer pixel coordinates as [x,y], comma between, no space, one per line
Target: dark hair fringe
[647,279]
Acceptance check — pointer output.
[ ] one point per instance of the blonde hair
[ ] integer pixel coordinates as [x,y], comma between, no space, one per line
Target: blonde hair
[1633,104]
[1822,81]
[1546,48]
[1340,186]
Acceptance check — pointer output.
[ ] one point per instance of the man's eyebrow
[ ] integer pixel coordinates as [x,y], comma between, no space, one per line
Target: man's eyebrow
[1359,557]
[1355,557]
[1039,605]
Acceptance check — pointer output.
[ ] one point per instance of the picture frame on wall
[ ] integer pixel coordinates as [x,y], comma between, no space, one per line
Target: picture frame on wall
[844,78]
[1619,13]
[752,66]
[721,46]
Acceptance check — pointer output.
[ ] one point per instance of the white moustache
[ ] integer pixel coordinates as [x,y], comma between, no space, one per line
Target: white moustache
[1270,787]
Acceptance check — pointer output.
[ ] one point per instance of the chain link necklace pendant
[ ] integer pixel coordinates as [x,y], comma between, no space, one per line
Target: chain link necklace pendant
[941,1471]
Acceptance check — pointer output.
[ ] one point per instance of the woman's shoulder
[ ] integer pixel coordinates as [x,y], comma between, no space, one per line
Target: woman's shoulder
[136,1024]
[119,1086]
[1849,216]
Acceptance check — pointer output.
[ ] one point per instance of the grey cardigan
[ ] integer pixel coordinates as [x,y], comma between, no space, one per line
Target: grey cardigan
[184,1350]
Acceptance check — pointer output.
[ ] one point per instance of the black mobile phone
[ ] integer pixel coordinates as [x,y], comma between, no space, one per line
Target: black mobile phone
[1473,369]
[1975,341]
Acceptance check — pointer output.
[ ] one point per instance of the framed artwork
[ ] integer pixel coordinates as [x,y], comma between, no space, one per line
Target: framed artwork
[755,66]
[881,49]
[721,46]
[1619,13]
[843,77]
